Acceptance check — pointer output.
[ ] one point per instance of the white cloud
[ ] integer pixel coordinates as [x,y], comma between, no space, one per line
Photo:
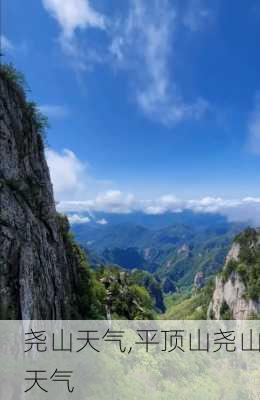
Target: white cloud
[6,44]
[112,201]
[72,179]
[77,219]
[245,209]
[68,174]
[254,127]
[74,14]
[235,209]
[54,111]
[141,43]
[144,44]
[102,221]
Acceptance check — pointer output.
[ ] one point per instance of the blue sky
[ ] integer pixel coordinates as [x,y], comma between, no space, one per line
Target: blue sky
[145,98]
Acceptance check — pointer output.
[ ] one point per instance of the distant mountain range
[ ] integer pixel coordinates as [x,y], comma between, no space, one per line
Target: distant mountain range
[144,265]
[172,246]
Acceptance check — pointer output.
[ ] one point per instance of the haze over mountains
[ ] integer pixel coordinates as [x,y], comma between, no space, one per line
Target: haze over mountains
[173,246]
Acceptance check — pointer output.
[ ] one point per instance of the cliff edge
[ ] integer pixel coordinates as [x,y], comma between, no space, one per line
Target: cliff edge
[40,269]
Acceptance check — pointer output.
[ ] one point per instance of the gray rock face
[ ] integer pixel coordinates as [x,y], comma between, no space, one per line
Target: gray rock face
[199,280]
[233,253]
[230,295]
[37,275]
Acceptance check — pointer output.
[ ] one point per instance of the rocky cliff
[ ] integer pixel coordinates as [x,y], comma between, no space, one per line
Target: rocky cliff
[40,269]
[237,288]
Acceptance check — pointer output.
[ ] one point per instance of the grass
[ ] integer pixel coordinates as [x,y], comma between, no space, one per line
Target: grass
[17,81]
[189,305]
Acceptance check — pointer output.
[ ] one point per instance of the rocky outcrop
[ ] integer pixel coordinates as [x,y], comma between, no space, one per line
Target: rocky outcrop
[229,300]
[232,298]
[199,280]
[233,253]
[184,249]
[38,275]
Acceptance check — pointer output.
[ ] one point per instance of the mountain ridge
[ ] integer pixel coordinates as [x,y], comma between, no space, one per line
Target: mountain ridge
[176,251]
[39,277]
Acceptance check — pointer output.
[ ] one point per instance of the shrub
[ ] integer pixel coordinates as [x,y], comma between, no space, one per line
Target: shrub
[90,295]
[38,119]
[16,79]
[242,270]
[248,235]
[13,76]
[225,312]
[229,268]
[254,291]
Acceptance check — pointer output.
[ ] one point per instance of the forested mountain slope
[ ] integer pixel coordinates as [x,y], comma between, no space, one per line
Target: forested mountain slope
[175,252]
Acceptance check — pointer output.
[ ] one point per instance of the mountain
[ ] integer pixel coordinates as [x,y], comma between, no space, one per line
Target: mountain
[174,252]
[41,271]
[234,293]
[144,265]
[44,273]
[237,287]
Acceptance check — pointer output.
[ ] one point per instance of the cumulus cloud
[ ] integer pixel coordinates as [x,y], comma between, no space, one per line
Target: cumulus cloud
[245,209]
[254,126]
[68,174]
[5,44]
[78,219]
[112,201]
[72,179]
[115,201]
[102,221]
[54,111]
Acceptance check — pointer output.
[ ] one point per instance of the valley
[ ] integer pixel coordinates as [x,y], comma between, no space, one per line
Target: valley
[134,265]
[179,252]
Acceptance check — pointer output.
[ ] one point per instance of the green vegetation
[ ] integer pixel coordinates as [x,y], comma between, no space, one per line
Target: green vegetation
[190,306]
[13,76]
[109,290]
[17,80]
[174,253]
[8,312]
[89,293]
[125,298]
[248,266]
[225,312]
[230,267]
[254,316]
[39,120]
[153,286]
[137,294]
[249,235]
